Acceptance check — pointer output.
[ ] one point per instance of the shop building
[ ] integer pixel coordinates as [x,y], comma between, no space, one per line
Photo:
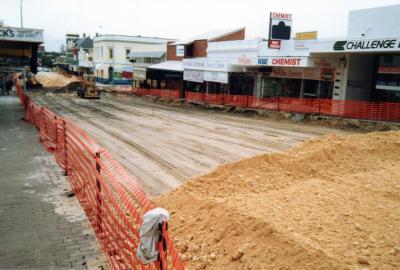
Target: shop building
[112,55]
[371,55]
[170,74]
[141,61]
[19,49]
[83,53]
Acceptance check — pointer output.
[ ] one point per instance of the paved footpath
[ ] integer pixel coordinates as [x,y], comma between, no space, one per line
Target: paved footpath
[40,226]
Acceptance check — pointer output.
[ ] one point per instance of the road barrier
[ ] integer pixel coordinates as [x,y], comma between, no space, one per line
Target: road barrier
[376,111]
[112,200]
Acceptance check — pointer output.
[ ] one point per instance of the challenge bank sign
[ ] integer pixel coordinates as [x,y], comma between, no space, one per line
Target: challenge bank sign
[21,34]
[367,45]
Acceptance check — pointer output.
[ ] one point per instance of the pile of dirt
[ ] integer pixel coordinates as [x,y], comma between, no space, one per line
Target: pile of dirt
[329,203]
[53,79]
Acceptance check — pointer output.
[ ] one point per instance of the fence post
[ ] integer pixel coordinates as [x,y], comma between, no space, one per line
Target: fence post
[64,124]
[56,134]
[98,194]
[278,103]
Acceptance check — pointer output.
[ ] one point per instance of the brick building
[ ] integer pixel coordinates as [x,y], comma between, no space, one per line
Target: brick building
[170,74]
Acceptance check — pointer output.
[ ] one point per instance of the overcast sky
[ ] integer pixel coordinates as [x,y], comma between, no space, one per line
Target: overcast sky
[178,18]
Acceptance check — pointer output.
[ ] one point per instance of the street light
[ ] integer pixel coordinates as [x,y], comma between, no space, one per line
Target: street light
[20,10]
[113,54]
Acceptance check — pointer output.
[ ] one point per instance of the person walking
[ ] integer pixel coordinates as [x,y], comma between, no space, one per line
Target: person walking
[9,85]
[2,86]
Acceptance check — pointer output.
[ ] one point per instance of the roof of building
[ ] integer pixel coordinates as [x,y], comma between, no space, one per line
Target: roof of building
[168,65]
[156,54]
[210,36]
[138,39]
[86,43]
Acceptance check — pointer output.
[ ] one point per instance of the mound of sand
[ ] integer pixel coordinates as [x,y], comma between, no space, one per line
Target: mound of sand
[330,203]
[53,79]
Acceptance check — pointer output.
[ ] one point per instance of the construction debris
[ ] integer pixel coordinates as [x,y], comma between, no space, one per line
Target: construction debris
[329,203]
[53,79]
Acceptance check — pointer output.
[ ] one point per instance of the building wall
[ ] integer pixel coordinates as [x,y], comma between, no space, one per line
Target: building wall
[374,22]
[200,48]
[120,53]
[239,35]
[171,54]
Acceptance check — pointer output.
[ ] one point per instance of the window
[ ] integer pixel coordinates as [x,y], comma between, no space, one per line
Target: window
[326,89]
[127,52]
[110,53]
[310,88]
[215,88]
[101,52]
[270,87]
[241,85]
[189,50]
[292,88]
[193,86]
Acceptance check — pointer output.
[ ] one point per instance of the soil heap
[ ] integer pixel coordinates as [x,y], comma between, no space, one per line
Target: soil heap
[53,79]
[329,203]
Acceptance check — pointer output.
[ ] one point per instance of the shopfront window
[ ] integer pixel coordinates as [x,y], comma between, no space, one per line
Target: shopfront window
[215,88]
[387,87]
[292,88]
[326,90]
[194,86]
[241,85]
[270,87]
[310,89]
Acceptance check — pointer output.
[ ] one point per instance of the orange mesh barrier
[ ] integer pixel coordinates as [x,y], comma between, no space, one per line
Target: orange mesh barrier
[194,96]
[378,111]
[110,197]
[236,100]
[216,99]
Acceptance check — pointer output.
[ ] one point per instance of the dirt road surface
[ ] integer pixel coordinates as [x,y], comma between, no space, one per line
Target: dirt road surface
[163,146]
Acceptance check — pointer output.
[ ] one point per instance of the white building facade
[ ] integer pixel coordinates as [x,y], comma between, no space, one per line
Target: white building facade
[111,55]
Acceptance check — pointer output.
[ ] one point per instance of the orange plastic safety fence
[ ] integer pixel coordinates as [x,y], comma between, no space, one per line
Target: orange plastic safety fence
[194,96]
[110,197]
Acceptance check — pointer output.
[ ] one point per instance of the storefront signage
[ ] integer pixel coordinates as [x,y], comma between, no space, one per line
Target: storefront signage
[216,76]
[303,73]
[367,45]
[280,26]
[201,64]
[193,75]
[180,50]
[274,44]
[21,34]
[307,35]
[305,39]
[283,61]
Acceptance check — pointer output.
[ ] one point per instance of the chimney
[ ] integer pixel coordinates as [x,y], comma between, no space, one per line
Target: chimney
[97,34]
[84,35]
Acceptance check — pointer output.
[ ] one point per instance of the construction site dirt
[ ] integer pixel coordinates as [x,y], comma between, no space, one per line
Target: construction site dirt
[163,146]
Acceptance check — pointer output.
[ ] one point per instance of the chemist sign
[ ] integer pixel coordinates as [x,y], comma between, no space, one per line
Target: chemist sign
[280,26]
[300,61]
[21,34]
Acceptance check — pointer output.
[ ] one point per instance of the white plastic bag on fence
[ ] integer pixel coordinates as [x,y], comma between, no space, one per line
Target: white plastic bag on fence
[149,233]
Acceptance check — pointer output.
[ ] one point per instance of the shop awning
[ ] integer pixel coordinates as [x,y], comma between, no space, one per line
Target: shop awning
[168,65]
[158,54]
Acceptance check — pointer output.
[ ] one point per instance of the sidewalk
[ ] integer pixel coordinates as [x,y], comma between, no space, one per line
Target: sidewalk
[40,226]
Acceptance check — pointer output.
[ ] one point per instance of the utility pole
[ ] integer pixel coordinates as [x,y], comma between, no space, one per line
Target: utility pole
[20,9]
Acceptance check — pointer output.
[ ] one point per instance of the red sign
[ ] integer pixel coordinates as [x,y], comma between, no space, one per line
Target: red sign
[274,44]
[281,16]
[286,61]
